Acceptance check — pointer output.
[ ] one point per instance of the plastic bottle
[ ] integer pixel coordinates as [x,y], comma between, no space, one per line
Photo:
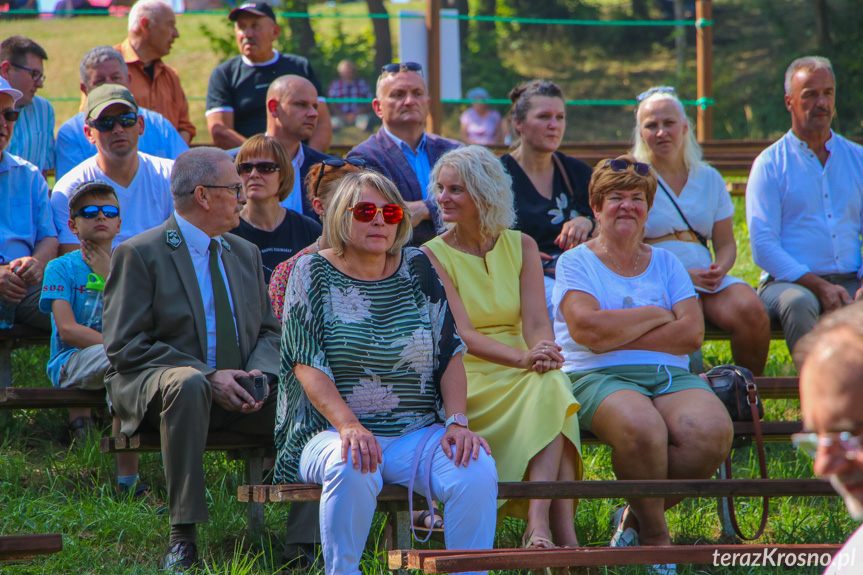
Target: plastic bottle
[7,313]
[93,303]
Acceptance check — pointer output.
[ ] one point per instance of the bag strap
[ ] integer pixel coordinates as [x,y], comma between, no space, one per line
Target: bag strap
[701,238]
[752,399]
[565,176]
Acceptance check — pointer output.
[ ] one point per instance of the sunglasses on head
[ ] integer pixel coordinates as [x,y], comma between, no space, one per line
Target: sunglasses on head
[10,114]
[648,93]
[90,212]
[401,67]
[366,211]
[619,165]
[336,163]
[106,123]
[244,168]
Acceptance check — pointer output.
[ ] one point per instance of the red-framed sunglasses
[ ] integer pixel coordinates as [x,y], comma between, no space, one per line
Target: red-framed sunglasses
[366,212]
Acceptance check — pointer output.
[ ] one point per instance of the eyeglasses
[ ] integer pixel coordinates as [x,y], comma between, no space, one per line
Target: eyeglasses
[401,67]
[336,163]
[90,212]
[37,75]
[809,443]
[659,90]
[10,114]
[366,212]
[236,189]
[244,168]
[619,165]
[106,123]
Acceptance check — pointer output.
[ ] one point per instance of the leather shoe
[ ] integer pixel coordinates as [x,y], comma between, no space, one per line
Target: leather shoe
[180,558]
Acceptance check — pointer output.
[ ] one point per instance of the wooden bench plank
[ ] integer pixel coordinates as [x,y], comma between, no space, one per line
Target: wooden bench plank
[15,547]
[481,560]
[778,387]
[49,397]
[772,431]
[216,441]
[713,333]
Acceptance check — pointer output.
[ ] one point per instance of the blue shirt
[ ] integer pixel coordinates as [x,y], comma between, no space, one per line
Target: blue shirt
[26,217]
[802,216]
[419,160]
[65,279]
[160,139]
[33,138]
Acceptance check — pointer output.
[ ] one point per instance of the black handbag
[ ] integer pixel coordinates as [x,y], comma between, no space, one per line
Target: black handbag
[735,387]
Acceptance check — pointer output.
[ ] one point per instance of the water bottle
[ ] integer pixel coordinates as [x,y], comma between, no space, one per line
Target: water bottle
[7,313]
[92,317]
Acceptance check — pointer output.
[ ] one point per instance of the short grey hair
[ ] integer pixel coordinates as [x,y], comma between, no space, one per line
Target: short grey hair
[193,168]
[691,148]
[340,221]
[146,9]
[808,63]
[96,56]
[487,183]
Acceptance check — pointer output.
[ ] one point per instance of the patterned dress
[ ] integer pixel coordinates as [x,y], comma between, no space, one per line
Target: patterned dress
[385,345]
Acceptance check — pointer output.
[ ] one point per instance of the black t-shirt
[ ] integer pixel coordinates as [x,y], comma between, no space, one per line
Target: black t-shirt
[242,89]
[294,233]
[542,218]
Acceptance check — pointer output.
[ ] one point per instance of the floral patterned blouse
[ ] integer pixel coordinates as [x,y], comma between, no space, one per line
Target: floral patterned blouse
[279,281]
[385,345]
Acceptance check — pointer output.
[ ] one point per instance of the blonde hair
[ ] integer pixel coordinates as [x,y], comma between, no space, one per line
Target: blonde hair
[263,146]
[605,180]
[487,182]
[691,148]
[339,221]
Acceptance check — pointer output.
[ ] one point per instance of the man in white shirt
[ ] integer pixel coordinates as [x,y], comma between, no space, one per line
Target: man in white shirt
[831,400]
[142,182]
[804,207]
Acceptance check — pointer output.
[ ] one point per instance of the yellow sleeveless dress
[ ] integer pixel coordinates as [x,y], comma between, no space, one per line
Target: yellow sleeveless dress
[518,411]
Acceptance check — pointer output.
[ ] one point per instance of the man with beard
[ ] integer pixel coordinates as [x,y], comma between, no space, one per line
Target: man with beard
[142,182]
[235,96]
[831,400]
[804,207]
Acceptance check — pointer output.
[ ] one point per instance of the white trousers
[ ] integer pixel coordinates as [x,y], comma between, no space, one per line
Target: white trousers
[349,497]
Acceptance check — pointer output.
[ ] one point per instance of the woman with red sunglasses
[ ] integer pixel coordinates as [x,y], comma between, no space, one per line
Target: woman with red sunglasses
[693,207]
[626,317]
[493,278]
[268,178]
[373,386]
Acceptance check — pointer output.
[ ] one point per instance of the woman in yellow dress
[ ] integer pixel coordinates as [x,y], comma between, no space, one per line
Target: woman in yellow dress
[518,399]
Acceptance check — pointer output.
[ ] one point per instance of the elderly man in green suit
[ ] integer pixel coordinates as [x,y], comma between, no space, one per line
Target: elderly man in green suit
[187,319]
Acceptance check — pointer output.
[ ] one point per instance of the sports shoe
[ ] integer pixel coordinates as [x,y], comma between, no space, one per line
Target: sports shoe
[622,537]
[662,569]
[180,558]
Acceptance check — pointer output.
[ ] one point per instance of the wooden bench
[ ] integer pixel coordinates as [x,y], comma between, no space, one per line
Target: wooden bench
[18,547]
[49,397]
[251,449]
[18,336]
[713,333]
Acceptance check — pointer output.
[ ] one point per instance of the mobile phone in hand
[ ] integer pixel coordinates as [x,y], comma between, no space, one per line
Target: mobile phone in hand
[256,386]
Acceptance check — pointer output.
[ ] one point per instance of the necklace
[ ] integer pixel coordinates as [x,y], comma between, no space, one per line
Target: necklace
[617,269]
[461,249]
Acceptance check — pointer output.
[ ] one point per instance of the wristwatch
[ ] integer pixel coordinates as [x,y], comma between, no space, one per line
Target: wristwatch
[457,418]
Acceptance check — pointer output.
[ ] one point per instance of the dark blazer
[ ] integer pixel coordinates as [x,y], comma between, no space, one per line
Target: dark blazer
[310,157]
[154,315]
[382,154]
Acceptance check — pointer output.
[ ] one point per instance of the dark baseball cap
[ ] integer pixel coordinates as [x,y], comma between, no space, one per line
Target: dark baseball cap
[90,186]
[256,8]
[106,95]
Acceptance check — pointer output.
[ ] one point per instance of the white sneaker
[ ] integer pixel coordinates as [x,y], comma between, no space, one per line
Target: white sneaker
[622,537]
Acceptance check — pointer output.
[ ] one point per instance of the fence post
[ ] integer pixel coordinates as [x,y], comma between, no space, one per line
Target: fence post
[704,68]
[433,74]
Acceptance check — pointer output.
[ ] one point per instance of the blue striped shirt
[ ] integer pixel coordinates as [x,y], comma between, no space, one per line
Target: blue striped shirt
[33,138]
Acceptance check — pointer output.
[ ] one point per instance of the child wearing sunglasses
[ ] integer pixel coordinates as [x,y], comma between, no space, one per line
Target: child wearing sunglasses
[71,292]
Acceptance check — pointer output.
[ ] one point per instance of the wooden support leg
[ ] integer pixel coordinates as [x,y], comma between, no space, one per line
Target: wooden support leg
[6,363]
[254,460]
[397,531]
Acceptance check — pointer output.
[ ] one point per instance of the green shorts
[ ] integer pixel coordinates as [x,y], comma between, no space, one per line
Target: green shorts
[592,386]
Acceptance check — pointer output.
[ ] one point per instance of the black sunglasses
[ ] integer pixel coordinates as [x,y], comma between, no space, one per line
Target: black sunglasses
[401,67]
[106,123]
[619,165]
[90,212]
[35,74]
[236,189]
[10,114]
[262,167]
[336,163]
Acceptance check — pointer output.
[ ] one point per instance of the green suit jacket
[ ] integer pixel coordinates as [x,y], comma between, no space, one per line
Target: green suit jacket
[153,317]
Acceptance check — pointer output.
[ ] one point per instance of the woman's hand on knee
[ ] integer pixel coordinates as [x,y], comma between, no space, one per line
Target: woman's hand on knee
[366,452]
[461,444]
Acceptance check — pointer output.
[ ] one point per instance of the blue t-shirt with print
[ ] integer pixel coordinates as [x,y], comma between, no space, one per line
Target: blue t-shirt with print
[65,278]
